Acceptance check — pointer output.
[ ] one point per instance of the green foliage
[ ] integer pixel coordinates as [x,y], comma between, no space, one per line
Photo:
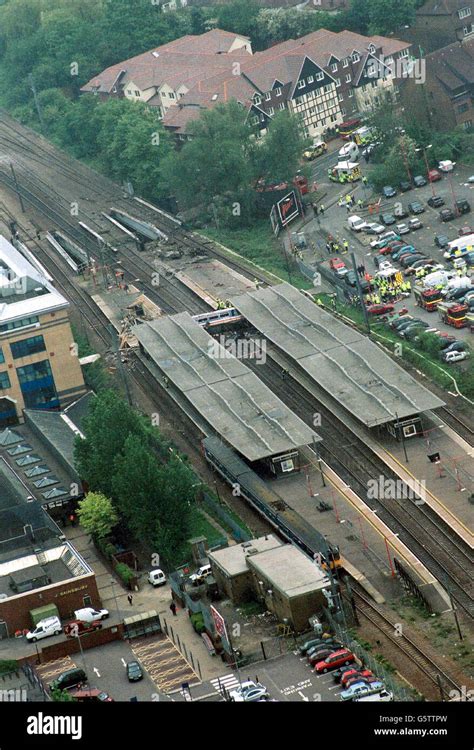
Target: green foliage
[97,515]
[197,621]
[62,696]
[125,573]
[8,665]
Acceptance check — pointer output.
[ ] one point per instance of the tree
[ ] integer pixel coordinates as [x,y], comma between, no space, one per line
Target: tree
[280,153]
[386,16]
[97,515]
[239,17]
[62,696]
[218,161]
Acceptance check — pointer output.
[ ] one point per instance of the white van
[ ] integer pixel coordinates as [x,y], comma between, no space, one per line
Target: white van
[438,277]
[89,614]
[350,151]
[156,577]
[356,223]
[383,695]
[203,572]
[44,628]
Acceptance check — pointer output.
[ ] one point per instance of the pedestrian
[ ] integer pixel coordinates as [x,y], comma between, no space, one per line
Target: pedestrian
[315,209]
[360,270]
[345,245]
[130,599]
[173,608]
[321,209]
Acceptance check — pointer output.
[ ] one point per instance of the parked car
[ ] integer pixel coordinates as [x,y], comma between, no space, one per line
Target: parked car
[388,219]
[330,643]
[455,357]
[348,674]
[447,214]
[403,250]
[78,627]
[248,692]
[383,240]
[338,266]
[374,228]
[389,191]
[201,574]
[89,614]
[156,577]
[314,642]
[320,654]
[356,223]
[465,230]
[403,229]
[409,330]
[400,212]
[366,680]
[93,695]
[360,689]
[419,181]
[462,207]
[415,224]
[134,671]
[351,278]
[441,241]
[69,679]
[45,628]
[446,166]
[436,201]
[383,695]
[415,207]
[455,346]
[434,175]
[392,247]
[334,660]
[404,186]
[381,309]
[412,258]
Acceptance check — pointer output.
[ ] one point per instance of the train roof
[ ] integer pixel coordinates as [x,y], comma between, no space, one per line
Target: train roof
[228,396]
[346,364]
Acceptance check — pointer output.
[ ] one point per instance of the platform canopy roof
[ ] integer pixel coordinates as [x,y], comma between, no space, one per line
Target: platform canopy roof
[346,364]
[221,389]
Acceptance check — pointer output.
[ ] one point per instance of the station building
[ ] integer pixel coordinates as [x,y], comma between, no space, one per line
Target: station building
[39,366]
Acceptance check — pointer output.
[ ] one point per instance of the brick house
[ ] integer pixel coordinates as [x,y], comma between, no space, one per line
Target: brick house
[439,23]
[446,98]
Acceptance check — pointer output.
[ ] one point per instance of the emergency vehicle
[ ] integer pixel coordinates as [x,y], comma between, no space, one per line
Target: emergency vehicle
[345,171]
[453,314]
[428,299]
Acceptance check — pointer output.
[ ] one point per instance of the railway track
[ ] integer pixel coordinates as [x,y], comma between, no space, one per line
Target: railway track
[435,544]
[429,668]
[458,425]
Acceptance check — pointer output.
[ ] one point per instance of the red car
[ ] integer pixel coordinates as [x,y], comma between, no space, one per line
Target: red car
[391,247]
[355,673]
[434,175]
[464,231]
[78,627]
[335,660]
[381,309]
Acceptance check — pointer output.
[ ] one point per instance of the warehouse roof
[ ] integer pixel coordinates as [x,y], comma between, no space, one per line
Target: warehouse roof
[226,394]
[348,365]
[233,560]
[289,570]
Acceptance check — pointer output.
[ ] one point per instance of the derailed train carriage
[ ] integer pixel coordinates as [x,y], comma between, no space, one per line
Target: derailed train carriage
[288,522]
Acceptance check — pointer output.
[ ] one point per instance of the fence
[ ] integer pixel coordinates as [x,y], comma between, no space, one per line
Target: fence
[239,534]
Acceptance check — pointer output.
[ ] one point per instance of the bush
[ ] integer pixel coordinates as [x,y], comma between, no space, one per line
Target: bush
[125,573]
[197,622]
[8,665]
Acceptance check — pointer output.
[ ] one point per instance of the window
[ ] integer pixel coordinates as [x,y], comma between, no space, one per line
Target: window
[4,381]
[348,78]
[334,67]
[338,82]
[343,111]
[466,30]
[137,93]
[310,79]
[37,385]
[23,323]
[268,96]
[28,346]
[350,93]
[257,100]
[2,358]
[278,91]
[319,76]
[301,84]
[341,97]
[464,12]
[463,108]
[171,95]
[467,125]
[282,105]
[345,62]
[404,53]
[271,111]
[355,57]
[372,48]
[129,91]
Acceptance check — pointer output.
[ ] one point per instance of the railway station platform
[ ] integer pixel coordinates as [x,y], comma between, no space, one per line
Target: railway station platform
[211,279]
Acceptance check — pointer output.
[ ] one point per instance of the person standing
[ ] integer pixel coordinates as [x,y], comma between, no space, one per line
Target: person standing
[173,608]
[321,209]
[130,599]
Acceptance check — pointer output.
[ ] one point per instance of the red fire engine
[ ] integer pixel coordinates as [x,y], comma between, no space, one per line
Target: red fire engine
[453,314]
[428,299]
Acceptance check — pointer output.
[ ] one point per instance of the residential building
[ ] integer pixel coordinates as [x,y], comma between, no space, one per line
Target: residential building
[439,23]
[323,76]
[445,100]
[39,366]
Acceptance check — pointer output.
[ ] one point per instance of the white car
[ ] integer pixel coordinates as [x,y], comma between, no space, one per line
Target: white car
[200,574]
[156,577]
[387,236]
[471,179]
[356,223]
[446,166]
[455,356]
[44,628]
[374,228]
[383,696]
[89,614]
[403,228]
[249,691]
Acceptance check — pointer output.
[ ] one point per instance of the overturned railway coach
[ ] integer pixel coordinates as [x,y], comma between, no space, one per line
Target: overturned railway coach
[247,484]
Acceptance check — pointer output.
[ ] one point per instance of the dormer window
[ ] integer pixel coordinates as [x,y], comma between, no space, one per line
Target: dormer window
[268,96]
[257,100]
[464,12]
[334,68]
[301,84]
[319,76]
[372,48]
[355,57]
[278,91]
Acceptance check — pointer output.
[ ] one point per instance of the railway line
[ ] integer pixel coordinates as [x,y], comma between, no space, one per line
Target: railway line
[448,558]
[418,658]
[458,425]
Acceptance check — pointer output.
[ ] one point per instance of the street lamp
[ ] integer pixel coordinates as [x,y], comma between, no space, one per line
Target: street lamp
[424,150]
